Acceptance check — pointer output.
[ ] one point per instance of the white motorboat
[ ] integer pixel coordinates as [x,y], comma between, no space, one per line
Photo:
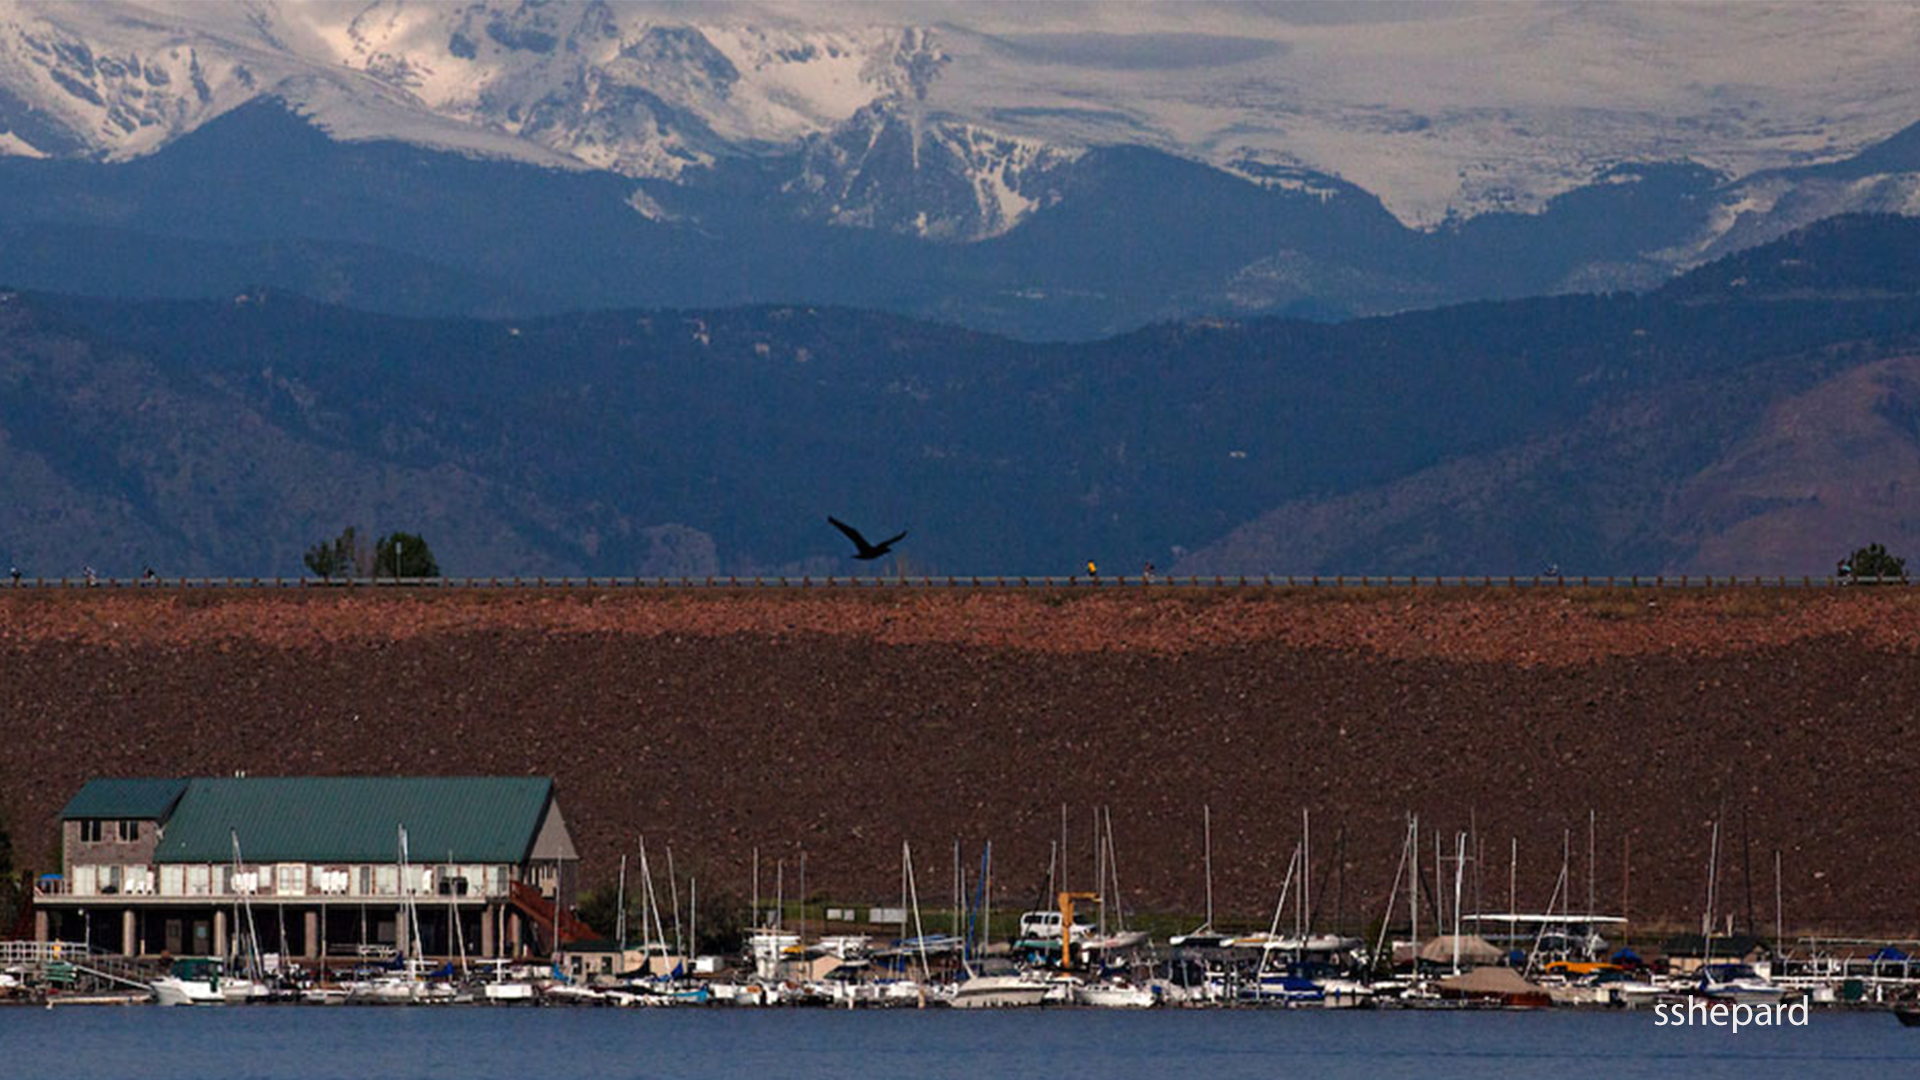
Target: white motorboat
[509,993]
[1110,943]
[574,994]
[1343,993]
[996,992]
[1739,984]
[406,987]
[748,993]
[204,981]
[1634,993]
[1114,994]
[500,987]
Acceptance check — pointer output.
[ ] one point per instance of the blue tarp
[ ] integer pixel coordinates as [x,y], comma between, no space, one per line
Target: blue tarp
[1628,958]
[1888,952]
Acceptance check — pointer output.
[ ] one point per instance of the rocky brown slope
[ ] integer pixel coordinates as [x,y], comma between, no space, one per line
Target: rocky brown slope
[842,723]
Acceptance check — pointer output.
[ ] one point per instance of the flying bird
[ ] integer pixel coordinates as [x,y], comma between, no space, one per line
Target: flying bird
[863,550]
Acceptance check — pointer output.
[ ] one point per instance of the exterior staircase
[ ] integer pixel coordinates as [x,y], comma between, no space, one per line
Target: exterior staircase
[538,911]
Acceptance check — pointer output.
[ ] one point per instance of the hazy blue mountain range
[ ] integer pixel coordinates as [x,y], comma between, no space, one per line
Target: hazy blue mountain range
[1133,235]
[1756,415]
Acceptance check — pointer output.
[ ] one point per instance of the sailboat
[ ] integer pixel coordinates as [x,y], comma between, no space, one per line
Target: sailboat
[410,984]
[1115,992]
[204,980]
[989,984]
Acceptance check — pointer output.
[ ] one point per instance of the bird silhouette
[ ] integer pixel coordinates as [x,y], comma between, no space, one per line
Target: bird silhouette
[862,549]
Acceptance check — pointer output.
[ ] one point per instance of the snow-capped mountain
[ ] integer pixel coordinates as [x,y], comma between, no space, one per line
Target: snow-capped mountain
[1009,166]
[1439,109]
[614,87]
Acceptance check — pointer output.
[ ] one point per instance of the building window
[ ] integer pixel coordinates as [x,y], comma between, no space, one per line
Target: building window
[129,831]
[386,880]
[92,831]
[291,880]
[366,881]
[199,881]
[84,880]
[173,881]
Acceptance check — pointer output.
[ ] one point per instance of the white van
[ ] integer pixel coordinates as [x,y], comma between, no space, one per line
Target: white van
[1044,925]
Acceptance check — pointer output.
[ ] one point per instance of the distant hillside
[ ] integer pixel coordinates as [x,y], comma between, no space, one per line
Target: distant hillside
[841,725]
[1614,433]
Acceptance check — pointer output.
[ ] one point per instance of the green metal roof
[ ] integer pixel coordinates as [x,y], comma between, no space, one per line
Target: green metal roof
[482,819]
[147,798]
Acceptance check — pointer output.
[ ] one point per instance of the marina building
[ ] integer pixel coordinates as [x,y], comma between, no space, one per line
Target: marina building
[315,866]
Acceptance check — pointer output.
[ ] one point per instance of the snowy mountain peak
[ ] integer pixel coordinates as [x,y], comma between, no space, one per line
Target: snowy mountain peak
[1443,111]
[894,167]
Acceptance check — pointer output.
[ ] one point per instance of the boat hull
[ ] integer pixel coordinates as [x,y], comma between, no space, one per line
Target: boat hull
[997,992]
[1113,997]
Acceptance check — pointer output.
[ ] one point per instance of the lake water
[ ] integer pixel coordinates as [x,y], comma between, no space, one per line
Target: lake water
[268,1043]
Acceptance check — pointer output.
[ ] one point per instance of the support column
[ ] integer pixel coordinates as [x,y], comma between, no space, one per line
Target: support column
[310,941]
[129,934]
[41,932]
[220,932]
[513,933]
[402,933]
[487,915]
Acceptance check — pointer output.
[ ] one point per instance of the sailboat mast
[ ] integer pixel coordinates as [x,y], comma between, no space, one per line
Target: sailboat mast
[958,900]
[1386,917]
[1513,882]
[1280,906]
[1590,843]
[620,919]
[646,912]
[1413,890]
[986,901]
[1306,877]
[1099,872]
[453,920]
[913,899]
[673,896]
[1113,871]
[1340,879]
[1713,882]
[1459,874]
[1063,851]
[1779,910]
[1206,832]
[1479,845]
[1053,863]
